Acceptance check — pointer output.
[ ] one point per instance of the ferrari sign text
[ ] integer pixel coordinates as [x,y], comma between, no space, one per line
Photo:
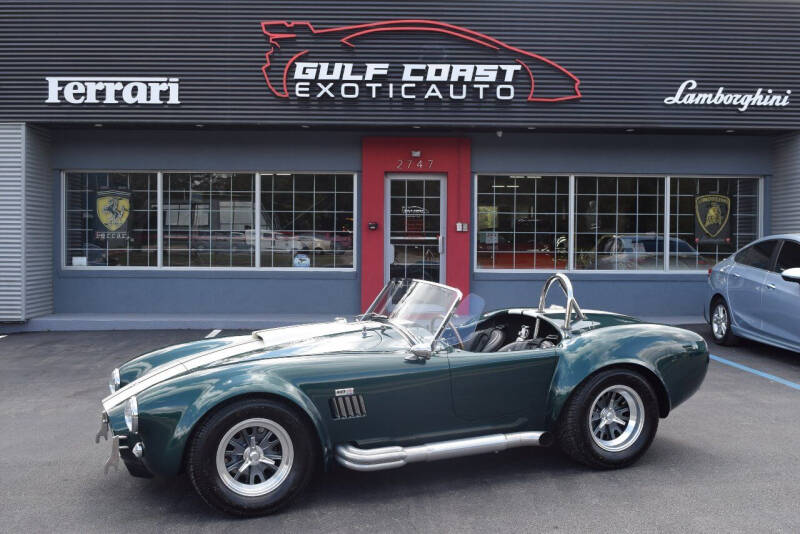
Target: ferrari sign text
[112,90]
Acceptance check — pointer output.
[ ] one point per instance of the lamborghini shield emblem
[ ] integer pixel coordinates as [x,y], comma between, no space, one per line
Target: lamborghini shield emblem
[113,208]
[712,212]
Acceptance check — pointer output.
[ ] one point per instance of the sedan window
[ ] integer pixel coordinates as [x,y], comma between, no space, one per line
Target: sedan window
[789,257]
[757,255]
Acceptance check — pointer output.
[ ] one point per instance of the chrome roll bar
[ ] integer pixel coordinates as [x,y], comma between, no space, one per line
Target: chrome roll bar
[572,304]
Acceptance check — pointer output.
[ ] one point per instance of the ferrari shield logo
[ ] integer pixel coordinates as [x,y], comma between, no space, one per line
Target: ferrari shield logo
[113,208]
[712,213]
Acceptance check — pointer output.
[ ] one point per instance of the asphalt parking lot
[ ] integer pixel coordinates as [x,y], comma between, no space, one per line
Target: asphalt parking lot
[727,460]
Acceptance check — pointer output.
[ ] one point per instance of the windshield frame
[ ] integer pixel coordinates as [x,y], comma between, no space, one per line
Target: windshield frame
[415,339]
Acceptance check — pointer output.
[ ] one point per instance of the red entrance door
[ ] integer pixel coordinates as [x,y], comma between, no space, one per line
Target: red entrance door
[390,158]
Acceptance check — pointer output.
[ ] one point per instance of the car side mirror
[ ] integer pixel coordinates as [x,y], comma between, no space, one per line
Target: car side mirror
[791,275]
[420,352]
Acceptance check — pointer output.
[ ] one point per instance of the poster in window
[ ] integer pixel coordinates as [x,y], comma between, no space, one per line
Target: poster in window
[113,207]
[712,219]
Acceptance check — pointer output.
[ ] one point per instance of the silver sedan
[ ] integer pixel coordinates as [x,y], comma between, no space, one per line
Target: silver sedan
[755,294]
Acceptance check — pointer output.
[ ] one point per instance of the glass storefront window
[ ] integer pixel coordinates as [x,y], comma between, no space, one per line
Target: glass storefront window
[208,220]
[619,223]
[307,220]
[522,222]
[111,219]
[710,218]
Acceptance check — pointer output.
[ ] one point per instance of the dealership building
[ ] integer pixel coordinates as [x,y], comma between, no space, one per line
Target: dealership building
[247,163]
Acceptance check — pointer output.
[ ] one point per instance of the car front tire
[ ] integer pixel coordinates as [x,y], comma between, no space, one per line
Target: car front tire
[252,457]
[610,420]
[721,331]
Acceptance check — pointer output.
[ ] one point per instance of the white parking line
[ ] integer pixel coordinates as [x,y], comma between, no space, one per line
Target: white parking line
[2,336]
[213,333]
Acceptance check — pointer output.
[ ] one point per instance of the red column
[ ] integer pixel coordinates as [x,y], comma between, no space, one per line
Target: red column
[439,155]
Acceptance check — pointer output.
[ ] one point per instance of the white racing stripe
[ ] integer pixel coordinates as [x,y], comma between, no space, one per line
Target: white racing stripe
[213,333]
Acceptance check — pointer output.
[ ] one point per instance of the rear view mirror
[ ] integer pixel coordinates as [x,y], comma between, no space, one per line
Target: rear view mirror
[791,275]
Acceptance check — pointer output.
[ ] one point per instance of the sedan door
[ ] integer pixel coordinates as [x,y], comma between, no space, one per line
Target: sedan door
[746,285]
[781,301]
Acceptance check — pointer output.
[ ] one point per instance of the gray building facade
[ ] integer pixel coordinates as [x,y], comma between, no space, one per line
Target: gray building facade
[176,161]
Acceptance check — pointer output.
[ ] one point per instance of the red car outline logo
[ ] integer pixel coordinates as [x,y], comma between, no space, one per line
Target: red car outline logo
[277,30]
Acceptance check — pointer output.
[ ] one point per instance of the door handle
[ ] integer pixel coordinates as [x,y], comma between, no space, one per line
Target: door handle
[441,244]
[771,286]
[737,275]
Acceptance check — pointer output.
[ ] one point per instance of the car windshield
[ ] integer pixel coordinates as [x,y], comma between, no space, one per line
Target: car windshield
[419,307]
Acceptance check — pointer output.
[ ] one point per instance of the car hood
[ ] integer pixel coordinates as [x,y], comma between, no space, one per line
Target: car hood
[301,340]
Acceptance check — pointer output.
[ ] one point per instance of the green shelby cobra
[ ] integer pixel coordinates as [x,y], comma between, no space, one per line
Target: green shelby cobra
[420,376]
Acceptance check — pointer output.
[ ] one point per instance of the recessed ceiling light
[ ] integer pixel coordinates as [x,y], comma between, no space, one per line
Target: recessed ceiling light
[730,131]
[417,127]
[531,127]
[199,125]
[98,125]
[629,130]
[304,126]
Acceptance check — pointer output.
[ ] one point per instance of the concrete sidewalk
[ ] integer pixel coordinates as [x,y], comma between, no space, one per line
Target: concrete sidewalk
[158,321]
[62,322]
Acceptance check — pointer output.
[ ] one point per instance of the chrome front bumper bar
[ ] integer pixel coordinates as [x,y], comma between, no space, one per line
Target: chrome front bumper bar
[392,457]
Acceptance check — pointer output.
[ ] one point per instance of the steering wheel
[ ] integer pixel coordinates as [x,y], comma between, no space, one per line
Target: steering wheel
[432,327]
[458,336]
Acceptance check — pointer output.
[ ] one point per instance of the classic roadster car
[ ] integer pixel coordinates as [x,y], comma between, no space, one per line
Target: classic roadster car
[420,376]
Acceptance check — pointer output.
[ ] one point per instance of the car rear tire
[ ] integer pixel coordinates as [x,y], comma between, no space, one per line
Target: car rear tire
[610,420]
[721,331]
[252,457]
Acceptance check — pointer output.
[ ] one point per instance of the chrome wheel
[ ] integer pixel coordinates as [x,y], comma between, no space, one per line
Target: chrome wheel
[719,321]
[254,457]
[616,418]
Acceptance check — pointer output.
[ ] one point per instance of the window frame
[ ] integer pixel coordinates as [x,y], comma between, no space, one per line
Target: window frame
[783,243]
[160,267]
[572,231]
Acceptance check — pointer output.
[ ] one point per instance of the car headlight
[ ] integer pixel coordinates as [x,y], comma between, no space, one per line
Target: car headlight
[114,381]
[132,415]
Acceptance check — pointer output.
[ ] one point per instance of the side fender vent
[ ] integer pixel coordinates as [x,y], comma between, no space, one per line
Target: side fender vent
[348,407]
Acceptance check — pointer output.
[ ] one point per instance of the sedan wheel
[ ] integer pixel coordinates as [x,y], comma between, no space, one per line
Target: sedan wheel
[721,323]
[252,457]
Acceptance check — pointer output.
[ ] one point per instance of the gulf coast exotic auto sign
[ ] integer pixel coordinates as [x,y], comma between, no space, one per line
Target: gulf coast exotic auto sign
[349,63]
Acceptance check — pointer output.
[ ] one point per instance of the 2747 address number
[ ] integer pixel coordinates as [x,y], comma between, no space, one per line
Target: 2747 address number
[414,164]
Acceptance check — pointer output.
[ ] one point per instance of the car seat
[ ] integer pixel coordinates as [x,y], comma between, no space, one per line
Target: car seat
[486,340]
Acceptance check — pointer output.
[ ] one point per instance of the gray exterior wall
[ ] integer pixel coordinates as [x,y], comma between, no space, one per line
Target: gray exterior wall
[12,136]
[26,214]
[181,291]
[785,207]
[38,234]
[668,294]
[629,56]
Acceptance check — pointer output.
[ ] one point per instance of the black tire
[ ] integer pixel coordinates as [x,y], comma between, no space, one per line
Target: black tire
[201,462]
[728,337]
[575,437]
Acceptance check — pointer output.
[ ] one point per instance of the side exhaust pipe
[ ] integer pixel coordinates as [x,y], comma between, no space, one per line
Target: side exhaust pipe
[392,457]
